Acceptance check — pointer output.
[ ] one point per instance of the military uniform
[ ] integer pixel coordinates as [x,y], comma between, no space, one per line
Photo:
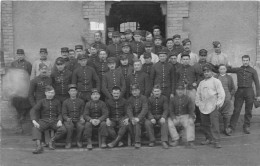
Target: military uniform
[137,48]
[50,112]
[147,67]
[113,78]
[114,49]
[95,110]
[156,49]
[99,45]
[37,88]
[157,109]
[71,64]
[117,114]
[161,74]
[137,107]
[22,64]
[142,79]
[73,108]
[85,77]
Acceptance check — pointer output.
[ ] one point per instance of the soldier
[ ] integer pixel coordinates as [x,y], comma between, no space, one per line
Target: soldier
[37,85]
[137,110]
[139,77]
[117,108]
[157,45]
[177,47]
[93,56]
[210,97]
[218,57]
[137,46]
[43,59]
[49,109]
[98,43]
[126,49]
[85,77]
[72,64]
[148,49]
[125,68]
[181,113]
[122,38]
[194,58]
[148,64]
[169,46]
[129,36]
[149,37]
[114,49]
[112,78]
[109,35]
[157,114]
[101,64]
[95,114]
[72,112]
[186,75]
[20,102]
[61,78]
[161,74]
[246,75]
[157,32]
[79,50]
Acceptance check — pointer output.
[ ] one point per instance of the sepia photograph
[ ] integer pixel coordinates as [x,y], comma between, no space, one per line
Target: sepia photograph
[130,83]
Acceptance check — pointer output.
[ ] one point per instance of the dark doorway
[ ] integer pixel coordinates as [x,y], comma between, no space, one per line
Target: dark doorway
[141,15]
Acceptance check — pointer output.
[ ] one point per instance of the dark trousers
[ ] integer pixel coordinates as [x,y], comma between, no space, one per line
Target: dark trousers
[84,95]
[149,126]
[62,97]
[48,124]
[102,129]
[224,111]
[210,125]
[70,126]
[166,91]
[136,130]
[247,95]
[121,128]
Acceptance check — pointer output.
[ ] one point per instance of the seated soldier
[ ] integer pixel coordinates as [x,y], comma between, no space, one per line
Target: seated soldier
[157,114]
[117,107]
[181,113]
[137,110]
[95,114]
[49,109]
[72,112]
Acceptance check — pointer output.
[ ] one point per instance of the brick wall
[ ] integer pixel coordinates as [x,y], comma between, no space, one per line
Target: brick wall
[8,30]
[176,11]
[93,11]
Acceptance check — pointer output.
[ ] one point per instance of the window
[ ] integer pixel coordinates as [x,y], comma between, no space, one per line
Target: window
[129,25]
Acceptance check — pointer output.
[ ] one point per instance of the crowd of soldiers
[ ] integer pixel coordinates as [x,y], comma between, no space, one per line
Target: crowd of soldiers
[136,82]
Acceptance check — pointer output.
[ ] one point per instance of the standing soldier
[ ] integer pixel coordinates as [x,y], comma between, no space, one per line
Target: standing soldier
[38,84]
[85,77]
[148,49]
[114,49]
[137,46]
[169,46]
[112,78]
[139,77]
[72,64]
[117,108]
[43,59]
[218,57]
[157,32]
[246,75]
[72,112]
[49,111]
[125,68]
[194,58]
[95,114]
[157,45]
[210,97]
[21,63]
[98,43]
[126,49]
[148,64]
[78,50]
[137,110]
[157,114]
[129,36]
[61,78]
[93,56]
[162,74]
[177,47]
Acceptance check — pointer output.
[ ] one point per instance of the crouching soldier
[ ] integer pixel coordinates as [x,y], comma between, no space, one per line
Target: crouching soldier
[72,112]
[137,110]
[117,107]
[181,113]
[157,114]
[95,114]
[49,110]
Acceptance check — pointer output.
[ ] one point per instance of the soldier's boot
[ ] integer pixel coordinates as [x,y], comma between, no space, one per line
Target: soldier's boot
[89,145]
[115,142]
[68,145]
[79,144]
[103,142]
[39,148]
[226,129]
[52,143]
